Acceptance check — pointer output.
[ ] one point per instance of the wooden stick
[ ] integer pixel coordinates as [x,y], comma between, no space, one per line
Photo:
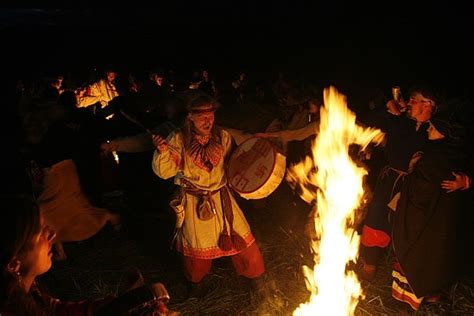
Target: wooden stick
[133,120]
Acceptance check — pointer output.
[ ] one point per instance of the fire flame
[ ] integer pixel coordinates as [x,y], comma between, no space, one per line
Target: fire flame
[334,291]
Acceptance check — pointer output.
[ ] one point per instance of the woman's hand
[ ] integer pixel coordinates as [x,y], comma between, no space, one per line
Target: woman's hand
[460,182]
[160,143]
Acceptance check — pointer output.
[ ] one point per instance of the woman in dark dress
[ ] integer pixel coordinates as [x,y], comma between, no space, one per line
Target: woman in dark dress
[425,224]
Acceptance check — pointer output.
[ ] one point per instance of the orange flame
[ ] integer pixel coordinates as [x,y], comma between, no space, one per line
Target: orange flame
[334,291]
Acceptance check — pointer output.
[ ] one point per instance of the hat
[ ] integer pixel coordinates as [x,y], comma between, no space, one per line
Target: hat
[202,103]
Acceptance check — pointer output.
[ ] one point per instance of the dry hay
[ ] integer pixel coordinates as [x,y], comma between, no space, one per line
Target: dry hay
[96,266]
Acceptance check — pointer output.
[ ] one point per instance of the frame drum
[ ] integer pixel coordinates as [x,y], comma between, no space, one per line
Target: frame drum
[256,168]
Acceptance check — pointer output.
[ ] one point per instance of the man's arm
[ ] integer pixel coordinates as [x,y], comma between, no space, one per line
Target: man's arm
[238,135]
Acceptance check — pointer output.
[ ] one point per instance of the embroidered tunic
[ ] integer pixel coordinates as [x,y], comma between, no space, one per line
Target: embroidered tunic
[203,167]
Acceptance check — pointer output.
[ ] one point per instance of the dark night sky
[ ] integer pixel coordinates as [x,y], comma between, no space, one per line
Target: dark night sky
[332,41]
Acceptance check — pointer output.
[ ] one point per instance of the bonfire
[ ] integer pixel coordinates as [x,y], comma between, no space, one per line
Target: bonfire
[332,179]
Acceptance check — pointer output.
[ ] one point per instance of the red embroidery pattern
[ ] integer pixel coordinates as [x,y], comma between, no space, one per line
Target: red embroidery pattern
[176,158]
[214,252]
[205,152]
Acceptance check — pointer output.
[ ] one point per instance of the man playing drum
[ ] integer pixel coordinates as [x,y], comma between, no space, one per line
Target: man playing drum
[214,226]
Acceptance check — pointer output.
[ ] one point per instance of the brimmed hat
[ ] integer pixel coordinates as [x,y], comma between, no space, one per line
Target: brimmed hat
[202,103]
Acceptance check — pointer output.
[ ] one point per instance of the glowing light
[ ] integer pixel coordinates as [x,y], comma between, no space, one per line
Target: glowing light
[336,185]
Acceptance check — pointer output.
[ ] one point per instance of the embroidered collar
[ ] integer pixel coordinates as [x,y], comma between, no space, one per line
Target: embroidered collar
[205,151]
[203,140]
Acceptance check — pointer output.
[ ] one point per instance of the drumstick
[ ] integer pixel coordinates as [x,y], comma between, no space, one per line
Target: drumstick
[133,120]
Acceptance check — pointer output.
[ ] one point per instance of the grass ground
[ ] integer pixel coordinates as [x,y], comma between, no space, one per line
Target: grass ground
[94,267]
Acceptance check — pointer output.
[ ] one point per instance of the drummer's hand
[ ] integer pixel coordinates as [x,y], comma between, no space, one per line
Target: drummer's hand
[107,147]
[160,143]
[460,182]
[103,103]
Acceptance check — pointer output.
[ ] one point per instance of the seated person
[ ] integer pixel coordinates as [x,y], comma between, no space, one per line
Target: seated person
[25,253]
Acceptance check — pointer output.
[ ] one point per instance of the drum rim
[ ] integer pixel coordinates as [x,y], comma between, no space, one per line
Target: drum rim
[275,153]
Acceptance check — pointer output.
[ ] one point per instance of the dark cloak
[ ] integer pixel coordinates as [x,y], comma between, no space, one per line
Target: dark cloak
[425,237]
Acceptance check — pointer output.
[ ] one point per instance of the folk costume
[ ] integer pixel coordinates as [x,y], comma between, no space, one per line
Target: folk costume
[426,225]
[214,226]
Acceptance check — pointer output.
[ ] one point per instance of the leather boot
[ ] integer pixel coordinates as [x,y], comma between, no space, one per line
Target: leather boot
[368,272]
[131,279]
[196,290]
[257,285]
[263,288]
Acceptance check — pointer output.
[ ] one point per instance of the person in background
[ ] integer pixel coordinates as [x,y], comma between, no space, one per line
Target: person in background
[239,86]
[207,84]
[102,91]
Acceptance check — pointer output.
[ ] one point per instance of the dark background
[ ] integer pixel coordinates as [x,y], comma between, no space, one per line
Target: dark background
[358,49]
[351,46]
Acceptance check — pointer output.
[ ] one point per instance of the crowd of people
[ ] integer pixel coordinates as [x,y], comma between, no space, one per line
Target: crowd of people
[158,132]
